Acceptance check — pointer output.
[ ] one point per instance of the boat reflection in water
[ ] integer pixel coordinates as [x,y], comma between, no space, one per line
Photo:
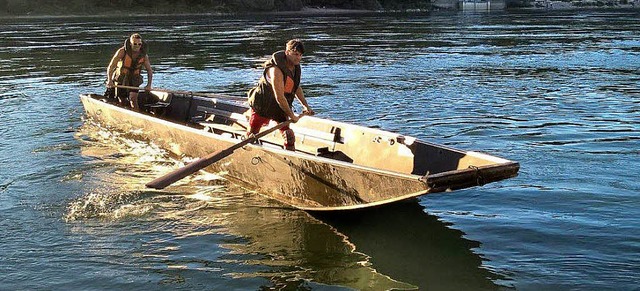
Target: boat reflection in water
[412,246]
[396,246]
[291,249]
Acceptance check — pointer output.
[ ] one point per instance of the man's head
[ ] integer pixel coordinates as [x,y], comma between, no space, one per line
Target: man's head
[294,51]
[136,41]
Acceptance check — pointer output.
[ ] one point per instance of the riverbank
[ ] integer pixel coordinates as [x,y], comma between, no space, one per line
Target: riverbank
[159,7]
[573,5]
[311,11]
[302,12]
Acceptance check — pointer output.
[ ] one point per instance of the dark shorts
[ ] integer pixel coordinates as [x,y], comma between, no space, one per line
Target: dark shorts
[130,80]
[127,80]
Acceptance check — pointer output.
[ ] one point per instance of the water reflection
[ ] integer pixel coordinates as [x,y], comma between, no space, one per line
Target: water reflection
[293,250]
[412,246]
[205,225]
[198,227]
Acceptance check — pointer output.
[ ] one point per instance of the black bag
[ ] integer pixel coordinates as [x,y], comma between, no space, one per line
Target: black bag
[110,93]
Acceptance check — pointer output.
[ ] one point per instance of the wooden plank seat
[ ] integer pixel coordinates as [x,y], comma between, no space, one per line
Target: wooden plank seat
[223,116]
[305,133]
[222,128]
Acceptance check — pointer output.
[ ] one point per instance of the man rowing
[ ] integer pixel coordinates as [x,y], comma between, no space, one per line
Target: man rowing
[272,98]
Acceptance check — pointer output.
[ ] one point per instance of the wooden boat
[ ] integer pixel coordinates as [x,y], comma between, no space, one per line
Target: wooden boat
[336,166]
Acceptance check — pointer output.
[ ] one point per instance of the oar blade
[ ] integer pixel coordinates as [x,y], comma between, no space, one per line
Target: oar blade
[166,180]
[188,169]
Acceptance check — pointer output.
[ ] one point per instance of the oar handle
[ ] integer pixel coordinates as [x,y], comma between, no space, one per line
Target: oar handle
[211,95]
[144,89]
[130,87]
[201,163]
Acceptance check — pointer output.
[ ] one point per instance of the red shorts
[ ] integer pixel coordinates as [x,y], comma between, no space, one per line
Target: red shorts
[256,122]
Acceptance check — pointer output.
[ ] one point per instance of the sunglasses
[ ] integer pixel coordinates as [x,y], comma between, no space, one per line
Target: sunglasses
[137,43]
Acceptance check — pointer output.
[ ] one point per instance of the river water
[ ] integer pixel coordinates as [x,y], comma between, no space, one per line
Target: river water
[556,91]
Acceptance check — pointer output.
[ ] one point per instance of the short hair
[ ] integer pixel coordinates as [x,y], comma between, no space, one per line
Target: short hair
[135,35]
[295,45]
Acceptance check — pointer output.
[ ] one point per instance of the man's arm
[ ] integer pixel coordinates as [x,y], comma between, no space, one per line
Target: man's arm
[277,83]
[112,66]
[303,101]
[147,66]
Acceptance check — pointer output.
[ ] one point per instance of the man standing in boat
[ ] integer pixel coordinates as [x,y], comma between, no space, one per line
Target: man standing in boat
[279,85]
[129,59]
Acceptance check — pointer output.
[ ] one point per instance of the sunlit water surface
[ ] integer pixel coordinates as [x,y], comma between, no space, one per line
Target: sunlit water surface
[556,91]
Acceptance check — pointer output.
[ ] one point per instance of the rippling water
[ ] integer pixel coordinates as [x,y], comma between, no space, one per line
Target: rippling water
[556,91]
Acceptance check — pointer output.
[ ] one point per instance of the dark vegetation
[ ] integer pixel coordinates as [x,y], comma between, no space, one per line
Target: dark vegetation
[80,7]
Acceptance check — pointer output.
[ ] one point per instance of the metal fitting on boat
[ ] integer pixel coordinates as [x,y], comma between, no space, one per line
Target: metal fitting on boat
[479,177]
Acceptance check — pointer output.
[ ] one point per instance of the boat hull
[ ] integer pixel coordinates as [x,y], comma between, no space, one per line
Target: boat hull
[303,181]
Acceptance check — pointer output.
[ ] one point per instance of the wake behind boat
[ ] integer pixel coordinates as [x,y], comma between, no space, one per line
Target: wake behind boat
[336,165]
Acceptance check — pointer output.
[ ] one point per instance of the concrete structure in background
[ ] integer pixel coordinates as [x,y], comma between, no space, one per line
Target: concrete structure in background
[470,5]
[481,5]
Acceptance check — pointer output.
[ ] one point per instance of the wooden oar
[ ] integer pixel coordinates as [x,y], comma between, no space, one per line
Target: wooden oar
[153,89]
[170,178]
[205,94]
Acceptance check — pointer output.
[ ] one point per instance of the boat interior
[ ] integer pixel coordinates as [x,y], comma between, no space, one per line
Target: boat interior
[323,138]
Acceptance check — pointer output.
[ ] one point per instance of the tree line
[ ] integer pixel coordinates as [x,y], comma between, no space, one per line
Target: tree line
[64,7]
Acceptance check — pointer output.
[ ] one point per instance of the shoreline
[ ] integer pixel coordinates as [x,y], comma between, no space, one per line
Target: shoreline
[541,5]
[305,11]
[562,5]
